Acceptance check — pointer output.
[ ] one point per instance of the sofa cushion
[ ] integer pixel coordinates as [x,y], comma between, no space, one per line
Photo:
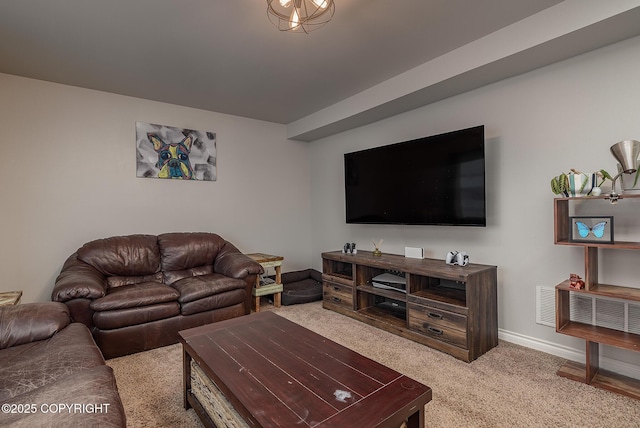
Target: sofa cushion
[33,365]
[187,250]
[28,323]
[198,287]
[172,276]
[216,301]
[231,262]
[123,255]
[78,280]
[109,320]
[84,389]
[135,295]
[119,281]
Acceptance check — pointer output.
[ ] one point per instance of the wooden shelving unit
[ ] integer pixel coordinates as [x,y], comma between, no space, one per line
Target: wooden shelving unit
[449,308]
[590,372]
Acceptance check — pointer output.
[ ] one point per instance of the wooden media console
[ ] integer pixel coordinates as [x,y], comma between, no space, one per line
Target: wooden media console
[450,308]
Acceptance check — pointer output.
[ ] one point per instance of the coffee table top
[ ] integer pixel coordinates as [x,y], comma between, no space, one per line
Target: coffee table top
[277,373]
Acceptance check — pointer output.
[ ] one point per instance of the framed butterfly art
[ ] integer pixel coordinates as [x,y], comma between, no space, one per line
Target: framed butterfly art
[591,229]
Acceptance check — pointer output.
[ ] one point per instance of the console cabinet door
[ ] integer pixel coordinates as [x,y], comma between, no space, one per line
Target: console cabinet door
[439,324]
[337,294]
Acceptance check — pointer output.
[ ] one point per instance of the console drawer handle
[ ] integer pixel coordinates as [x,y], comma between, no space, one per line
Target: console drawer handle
[336,288]
[434,330]
[336,299]
[434,315]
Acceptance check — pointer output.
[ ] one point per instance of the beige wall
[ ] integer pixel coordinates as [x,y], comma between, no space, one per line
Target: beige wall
[68,175]
[537,125]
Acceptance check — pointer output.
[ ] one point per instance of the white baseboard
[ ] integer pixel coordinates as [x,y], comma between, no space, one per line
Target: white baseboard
[567,353]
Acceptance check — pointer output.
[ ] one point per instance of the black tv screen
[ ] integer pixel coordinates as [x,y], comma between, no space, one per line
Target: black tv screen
[436,180]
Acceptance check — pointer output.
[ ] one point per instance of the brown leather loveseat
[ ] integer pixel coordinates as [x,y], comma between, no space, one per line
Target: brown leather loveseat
[52,374]
[136,292]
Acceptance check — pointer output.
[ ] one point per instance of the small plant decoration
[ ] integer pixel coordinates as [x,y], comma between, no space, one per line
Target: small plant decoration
[604,176]
[635,179]
[560,184]
[376,246]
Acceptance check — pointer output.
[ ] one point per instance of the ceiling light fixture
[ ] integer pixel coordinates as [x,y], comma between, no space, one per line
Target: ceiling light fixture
[300,15]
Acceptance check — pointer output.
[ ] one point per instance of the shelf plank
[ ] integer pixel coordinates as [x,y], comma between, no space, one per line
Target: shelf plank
[604,335]
[619,245]
[381,315]
[609,381]
[605,290]
[391,294]
[444,295]
[604,197]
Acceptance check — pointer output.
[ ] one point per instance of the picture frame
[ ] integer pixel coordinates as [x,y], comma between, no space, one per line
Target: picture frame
[591,229]
[167,152]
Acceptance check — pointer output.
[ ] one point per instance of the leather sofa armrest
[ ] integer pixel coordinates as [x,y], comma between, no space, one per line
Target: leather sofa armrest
[78,280]
[231,262]
[30,322]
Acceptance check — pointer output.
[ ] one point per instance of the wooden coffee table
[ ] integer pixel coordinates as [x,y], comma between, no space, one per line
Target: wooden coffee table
[262,370]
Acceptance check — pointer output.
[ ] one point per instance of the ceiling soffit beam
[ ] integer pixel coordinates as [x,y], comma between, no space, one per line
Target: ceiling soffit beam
[570,28]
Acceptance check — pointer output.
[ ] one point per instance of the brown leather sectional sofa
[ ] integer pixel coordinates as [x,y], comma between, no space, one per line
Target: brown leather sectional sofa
[136,292]
[51,371]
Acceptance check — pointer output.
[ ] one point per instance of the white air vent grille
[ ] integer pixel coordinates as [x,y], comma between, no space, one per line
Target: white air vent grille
[610,314]
[589,309]
[546,306]
[581,308]
[633,318]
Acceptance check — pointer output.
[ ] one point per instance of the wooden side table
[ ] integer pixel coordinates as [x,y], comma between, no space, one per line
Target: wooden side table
[10,297]
[268,261]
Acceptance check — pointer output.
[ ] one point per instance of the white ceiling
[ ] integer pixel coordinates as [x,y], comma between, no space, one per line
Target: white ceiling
[226,56]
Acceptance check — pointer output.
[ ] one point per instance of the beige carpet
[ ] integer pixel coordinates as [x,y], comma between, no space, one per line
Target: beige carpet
[510,386]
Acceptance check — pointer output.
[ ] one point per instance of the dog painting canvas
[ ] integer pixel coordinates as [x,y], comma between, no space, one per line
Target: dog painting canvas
[175,153]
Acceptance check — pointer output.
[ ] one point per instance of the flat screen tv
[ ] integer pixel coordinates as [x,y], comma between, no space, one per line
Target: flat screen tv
[436,180]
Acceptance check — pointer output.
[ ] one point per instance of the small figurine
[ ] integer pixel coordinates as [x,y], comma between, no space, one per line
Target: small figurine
[576,282]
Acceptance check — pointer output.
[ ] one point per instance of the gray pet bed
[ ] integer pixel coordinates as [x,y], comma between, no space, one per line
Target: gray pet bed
[302,286]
